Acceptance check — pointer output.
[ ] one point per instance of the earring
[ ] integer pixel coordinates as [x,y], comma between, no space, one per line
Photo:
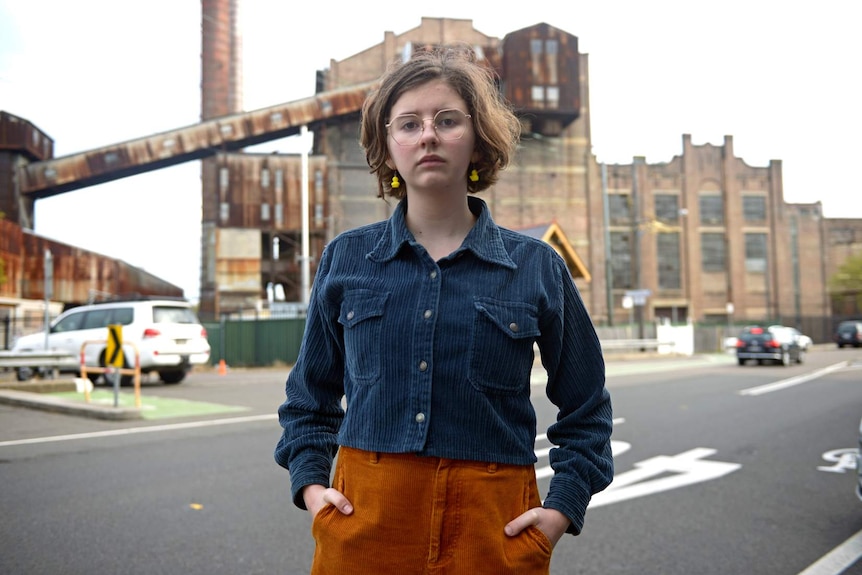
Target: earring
[396,183]
[474,175]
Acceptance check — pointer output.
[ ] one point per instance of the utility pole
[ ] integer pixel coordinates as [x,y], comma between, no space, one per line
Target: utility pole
[636,245]
[609,269]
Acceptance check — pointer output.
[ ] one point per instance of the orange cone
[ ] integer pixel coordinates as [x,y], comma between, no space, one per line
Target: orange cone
[222,367]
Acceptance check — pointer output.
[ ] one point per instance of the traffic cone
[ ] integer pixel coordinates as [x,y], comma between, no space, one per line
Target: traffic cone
[222,367]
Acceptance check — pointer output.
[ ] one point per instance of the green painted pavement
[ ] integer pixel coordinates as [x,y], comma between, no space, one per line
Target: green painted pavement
[152,407]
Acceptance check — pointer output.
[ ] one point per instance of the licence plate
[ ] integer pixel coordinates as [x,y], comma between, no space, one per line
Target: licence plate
[755,348]
[181,341]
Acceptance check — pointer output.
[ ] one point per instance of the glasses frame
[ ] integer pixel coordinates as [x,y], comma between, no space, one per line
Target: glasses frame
[433,124]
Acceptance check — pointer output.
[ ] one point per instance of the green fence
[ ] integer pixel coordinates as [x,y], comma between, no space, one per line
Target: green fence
[255,343]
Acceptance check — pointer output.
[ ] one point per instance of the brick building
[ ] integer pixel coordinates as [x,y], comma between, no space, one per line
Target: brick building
[710,237]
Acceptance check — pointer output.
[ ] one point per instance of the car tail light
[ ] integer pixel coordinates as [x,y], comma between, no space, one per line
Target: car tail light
[151,332]
[740,343]
[772,343]
[203,332]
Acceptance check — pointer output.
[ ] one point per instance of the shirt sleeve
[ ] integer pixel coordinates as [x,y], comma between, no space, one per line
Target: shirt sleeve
[572,356]
[312,413]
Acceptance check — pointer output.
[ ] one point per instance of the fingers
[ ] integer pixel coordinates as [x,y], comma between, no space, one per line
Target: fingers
[336,498]
[524,520]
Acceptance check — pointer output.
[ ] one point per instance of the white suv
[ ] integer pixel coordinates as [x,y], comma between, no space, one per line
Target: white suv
[167,333]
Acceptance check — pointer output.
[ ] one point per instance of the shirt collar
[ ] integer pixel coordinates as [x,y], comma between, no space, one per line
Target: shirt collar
[484,239]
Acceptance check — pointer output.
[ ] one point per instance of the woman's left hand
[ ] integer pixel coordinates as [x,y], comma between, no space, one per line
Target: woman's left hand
[549,521]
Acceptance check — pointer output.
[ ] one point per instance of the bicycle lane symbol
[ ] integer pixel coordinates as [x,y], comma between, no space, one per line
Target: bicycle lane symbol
[843,460]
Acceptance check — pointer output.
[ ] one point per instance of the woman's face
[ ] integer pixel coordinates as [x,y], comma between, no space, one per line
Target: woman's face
[437,158]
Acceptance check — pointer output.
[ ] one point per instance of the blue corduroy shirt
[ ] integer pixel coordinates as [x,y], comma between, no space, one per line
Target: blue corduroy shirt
[434,358]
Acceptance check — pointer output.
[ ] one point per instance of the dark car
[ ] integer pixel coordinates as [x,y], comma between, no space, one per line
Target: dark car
[849,333]
[763,345]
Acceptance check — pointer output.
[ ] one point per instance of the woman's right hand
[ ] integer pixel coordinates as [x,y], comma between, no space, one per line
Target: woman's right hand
[316,497]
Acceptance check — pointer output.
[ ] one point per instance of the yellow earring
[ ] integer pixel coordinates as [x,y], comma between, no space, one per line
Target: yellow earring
[474,175]
[396,183]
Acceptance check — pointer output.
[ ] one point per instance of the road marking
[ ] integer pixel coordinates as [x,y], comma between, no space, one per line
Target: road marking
[136,430]
[688,468]
[790,382]
[844,460]
[839,559]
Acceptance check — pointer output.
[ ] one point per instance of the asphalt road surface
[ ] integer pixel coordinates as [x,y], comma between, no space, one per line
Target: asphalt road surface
[720,469]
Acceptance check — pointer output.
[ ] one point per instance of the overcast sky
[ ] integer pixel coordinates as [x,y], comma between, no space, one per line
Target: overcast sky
[781,77]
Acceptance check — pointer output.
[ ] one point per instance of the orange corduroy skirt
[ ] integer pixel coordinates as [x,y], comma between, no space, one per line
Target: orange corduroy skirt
[425,515]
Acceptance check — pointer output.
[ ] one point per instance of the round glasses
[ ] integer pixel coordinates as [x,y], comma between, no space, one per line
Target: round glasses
[449,124]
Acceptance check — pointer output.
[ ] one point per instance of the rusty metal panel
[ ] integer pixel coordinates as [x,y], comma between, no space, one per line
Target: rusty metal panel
[264,191]
[238,254]
[19,135]
[48,178]
[80,274]
[10,255]
[541,71]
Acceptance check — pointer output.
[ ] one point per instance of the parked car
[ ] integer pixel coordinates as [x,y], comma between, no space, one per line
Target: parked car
[849,333]
[761,344]
[167,334]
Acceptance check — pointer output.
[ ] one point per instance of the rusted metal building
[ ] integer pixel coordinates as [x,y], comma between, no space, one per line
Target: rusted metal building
[78,274]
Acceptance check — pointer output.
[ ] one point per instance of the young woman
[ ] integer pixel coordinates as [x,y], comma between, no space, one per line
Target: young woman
[425,326]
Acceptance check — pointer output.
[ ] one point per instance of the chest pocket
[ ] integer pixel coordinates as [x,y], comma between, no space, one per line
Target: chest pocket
[502,356]
[361,316]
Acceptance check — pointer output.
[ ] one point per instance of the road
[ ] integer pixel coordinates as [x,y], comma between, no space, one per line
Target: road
[720,469]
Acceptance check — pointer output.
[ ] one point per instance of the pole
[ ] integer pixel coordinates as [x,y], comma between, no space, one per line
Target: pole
[49,293]
[305,264]
[609,270]
[636,247]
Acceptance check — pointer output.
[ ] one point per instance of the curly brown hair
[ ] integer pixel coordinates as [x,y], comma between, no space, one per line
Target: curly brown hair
[495,124]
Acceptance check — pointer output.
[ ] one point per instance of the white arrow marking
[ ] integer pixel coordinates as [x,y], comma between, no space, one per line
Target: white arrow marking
[689,466]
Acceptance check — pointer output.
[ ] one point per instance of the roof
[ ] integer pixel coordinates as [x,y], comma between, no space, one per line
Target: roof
[553,235]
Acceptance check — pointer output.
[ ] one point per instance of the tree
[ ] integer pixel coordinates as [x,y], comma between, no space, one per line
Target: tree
[845,287]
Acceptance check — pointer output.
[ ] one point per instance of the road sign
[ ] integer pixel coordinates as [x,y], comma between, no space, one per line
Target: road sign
[114,349]
[639,296]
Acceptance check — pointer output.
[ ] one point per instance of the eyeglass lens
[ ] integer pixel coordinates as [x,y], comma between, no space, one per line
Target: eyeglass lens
[406,129]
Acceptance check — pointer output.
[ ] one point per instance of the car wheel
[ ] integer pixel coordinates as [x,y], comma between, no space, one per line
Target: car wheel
[785,358]
[801,357]
[172,377]
[840,346]
[24,373]
[740,360]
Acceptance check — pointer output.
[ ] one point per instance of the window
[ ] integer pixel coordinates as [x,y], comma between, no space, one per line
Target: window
[712,252]
[97,318]
[553,97]
[538,94]
[536,46]
[122,315]
[621,260]
[711,210]
[755,253]
[667,208]
[667,245]
[618,206]
[71,322]
[754,208]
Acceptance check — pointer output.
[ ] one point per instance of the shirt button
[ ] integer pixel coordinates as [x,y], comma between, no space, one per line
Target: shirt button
[514,327]
[423,365]
[428,313]
[350,314]
[420,417]
[433,274]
